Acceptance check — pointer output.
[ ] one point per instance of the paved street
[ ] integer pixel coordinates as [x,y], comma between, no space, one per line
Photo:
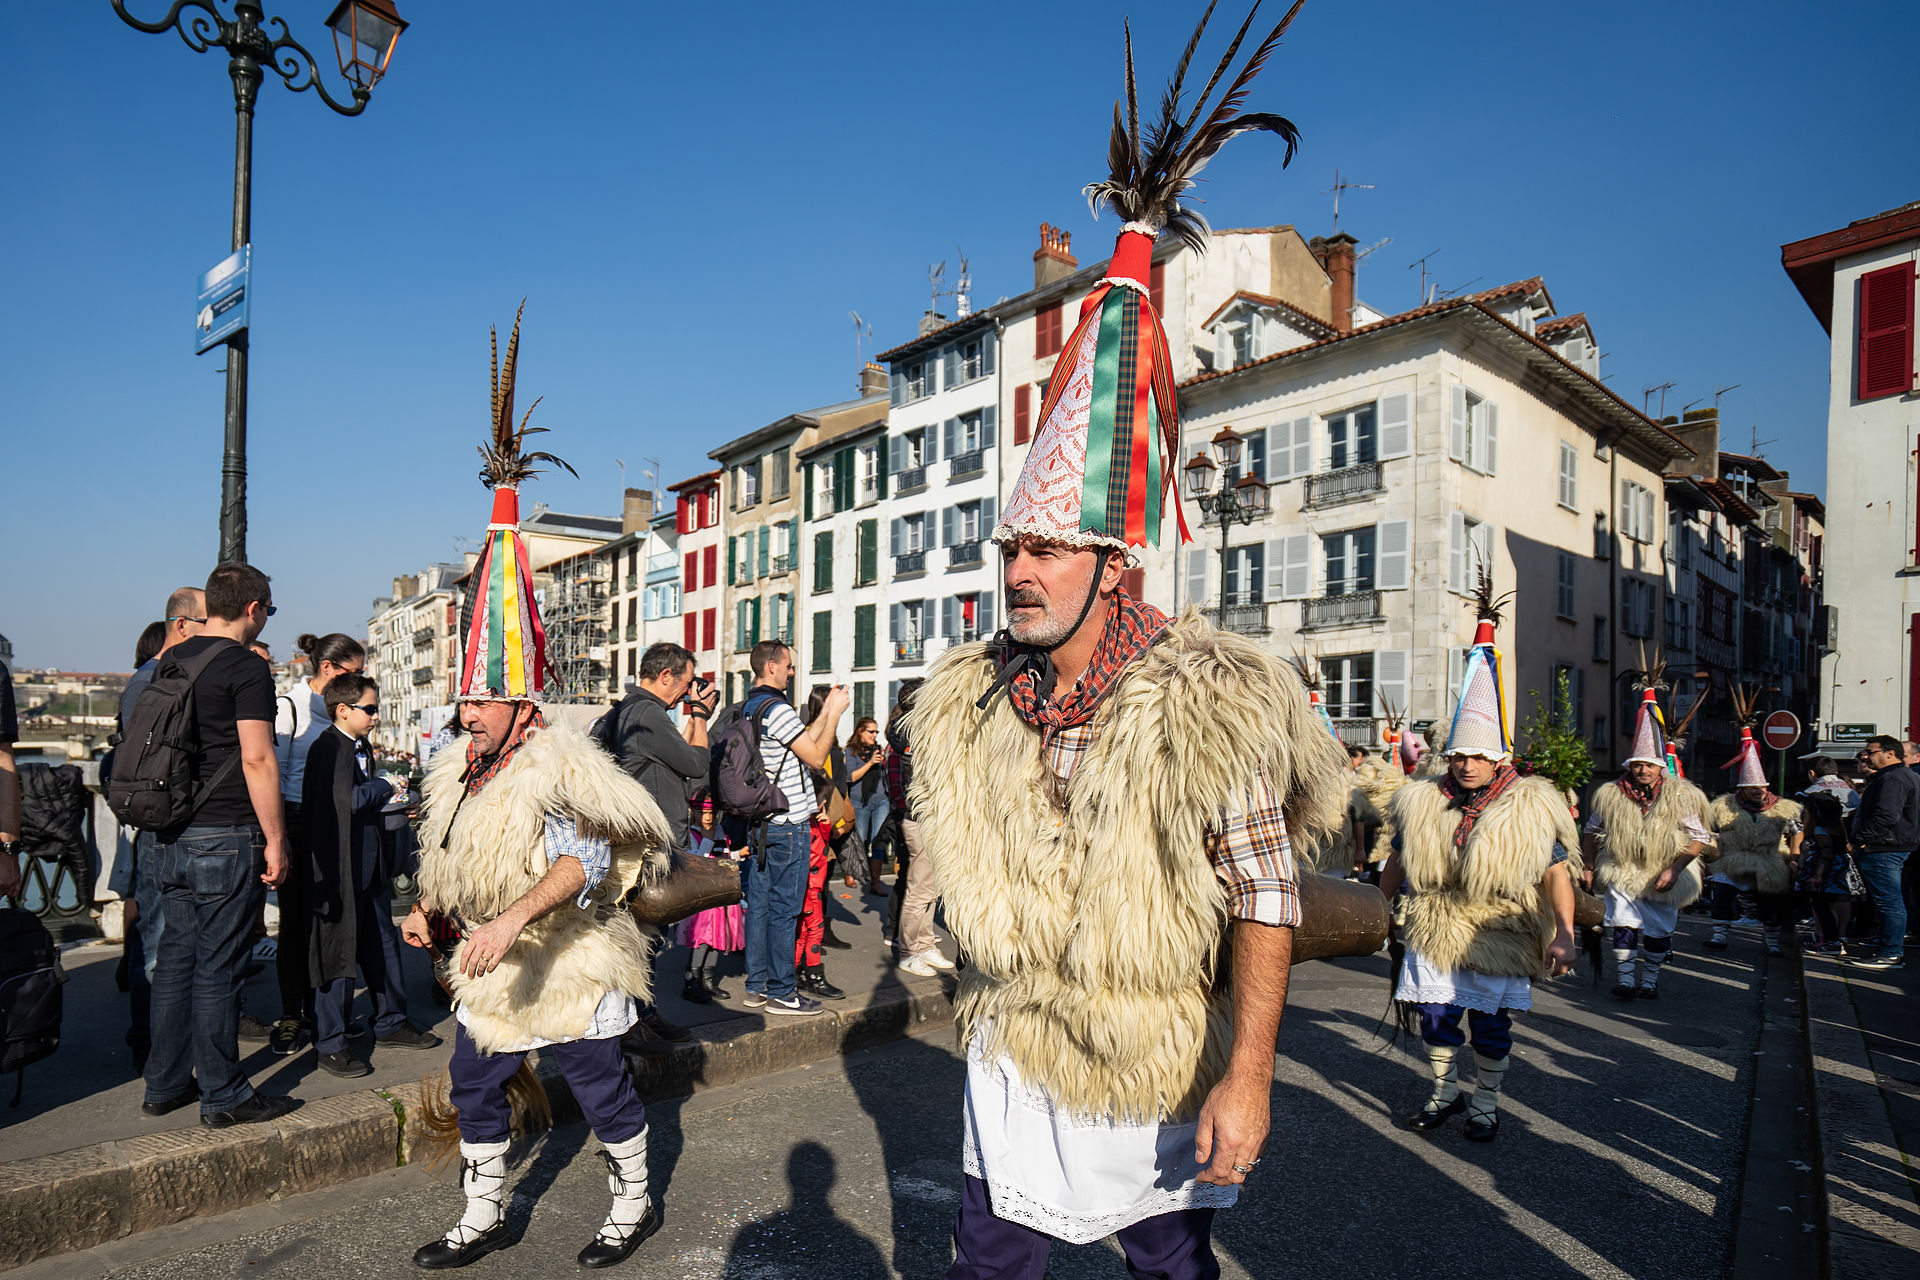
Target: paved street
[1621,1156]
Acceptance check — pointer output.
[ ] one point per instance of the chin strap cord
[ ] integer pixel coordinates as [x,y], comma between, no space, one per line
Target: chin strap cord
[1040,661]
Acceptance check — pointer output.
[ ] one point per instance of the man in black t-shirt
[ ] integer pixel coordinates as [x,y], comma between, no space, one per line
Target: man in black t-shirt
[214,874]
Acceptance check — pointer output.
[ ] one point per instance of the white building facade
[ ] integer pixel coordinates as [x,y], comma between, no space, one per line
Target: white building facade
[845,571]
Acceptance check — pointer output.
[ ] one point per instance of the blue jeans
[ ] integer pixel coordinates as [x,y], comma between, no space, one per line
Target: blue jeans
[775,895]
[210,897]
[869,816]
[1881,871]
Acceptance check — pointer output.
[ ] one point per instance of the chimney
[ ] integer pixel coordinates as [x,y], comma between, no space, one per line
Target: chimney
[1054,259]
[930,321]
[1336,255]
[400,591]
[637,510]
[873,380]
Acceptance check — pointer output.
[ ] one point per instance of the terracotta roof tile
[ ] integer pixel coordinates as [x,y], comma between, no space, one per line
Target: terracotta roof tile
[1312,323]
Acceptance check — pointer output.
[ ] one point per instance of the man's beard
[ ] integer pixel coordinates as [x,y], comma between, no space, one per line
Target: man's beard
[1053,628]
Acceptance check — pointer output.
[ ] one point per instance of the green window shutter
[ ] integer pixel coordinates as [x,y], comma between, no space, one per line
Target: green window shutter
[755,615]
[731,560]
[808,473]
[880,484]
[823,560]
[869,550]
[844,477]
[823,640]
[863,638]
[766,545]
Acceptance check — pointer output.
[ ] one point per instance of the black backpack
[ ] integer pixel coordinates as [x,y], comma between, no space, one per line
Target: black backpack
[736,773]
[606,729]
[30,997]
[152,784]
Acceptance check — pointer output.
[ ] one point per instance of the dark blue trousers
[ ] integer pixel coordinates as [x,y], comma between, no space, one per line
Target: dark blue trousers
[1492,1032]
[594,1069]
[1169,1246]
[378,953]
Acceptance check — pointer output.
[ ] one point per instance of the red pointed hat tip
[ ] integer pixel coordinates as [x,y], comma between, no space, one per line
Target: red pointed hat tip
[506,506]
[1483,632]
[1132,257]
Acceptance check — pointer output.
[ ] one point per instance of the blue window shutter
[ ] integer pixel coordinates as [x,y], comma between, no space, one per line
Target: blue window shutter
[896,453]
[984,613]
[951,429]
[930,445]
[897,387]
[948,608]
[893,536]
[986,518]
[988,418]
[950,367]
[987,345]
[895,625]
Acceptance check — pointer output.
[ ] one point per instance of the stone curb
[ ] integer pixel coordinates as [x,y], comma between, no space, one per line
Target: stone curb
[91,1195]
[1782,1203]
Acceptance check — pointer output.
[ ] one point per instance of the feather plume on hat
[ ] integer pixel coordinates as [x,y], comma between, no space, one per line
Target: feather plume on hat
[1749,771]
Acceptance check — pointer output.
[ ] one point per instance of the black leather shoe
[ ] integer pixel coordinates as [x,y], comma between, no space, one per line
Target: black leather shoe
[638,1039]
[695,991]
[1483,1130]
[1624,992]
[409,1037]
[442,1256]
[1424,1120]
[668,1031]
[717,991]
[600,1254]
[261,1106]
[814,983]
[344,1065]
[837,944]
[168,1105]
[1648,993]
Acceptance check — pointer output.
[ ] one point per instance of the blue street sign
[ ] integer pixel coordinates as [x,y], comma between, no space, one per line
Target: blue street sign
[220,310]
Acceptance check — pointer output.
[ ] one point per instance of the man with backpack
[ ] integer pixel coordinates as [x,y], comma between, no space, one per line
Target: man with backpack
[775,830]
[220,843]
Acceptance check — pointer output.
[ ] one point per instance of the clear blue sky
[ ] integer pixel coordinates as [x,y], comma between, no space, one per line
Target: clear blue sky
[693,197]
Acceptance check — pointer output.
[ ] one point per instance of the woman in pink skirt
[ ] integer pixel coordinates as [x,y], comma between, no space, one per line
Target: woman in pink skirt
[717,931]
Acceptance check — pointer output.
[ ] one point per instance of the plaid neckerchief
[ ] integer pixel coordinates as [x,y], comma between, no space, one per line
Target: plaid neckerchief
[1645,799]
[1132,628]
[1766,801]
[480,769]
[1472,804]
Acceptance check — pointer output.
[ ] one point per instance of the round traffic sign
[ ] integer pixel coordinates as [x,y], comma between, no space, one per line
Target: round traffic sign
[1781,730]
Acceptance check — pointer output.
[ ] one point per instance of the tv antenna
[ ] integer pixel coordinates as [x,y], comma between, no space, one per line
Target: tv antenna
[1720,391]
[1754,436]
[1377,244]
[1426,295]
[861,332]
[1646,398]
[1339,185]
[1458,289]
[936,277]
[963,291]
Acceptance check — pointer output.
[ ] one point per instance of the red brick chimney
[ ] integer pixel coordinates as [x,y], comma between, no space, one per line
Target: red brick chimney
[1054,259]
[1338,259]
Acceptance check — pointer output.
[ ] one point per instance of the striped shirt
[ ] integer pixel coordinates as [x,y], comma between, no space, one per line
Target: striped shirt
[778,728]
[1247,845]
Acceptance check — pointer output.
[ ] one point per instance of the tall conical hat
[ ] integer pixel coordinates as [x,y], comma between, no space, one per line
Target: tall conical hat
[1751,773]
[506,653]
[1101,469]
[1649,725]
[1480,725]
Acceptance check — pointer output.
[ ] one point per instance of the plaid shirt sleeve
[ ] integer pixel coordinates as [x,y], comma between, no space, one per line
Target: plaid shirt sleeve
[1250,851]
[563,840]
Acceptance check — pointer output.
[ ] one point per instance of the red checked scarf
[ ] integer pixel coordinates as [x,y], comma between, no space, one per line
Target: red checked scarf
[1132,628]
[1472,804]
[1766,801]
[1645,799]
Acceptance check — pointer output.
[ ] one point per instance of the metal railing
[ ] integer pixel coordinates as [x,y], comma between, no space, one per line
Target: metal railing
[1341,610]
[909,479]
[913,649]
[966,464]
[780,564]
[1344,485]
[1242,612]
[423,675]
[912,562]
[633,631]
[1357,731]
[964,553]
[633,582]
[424,636]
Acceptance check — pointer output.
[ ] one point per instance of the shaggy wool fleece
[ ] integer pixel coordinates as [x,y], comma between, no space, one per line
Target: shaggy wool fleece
[1093,921]
[1751,848]
[1637,847]
[1379,781]
[1481,907]
[553,977]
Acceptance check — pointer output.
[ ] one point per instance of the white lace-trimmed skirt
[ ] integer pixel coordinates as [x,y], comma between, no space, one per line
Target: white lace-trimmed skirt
[1422,982]
[1076,1178]
[614,1016]
[1657,918]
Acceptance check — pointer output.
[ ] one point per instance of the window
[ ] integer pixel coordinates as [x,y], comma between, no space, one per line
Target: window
[823,560]
[690,631]
[746,484]
[965,526]
[969,360]
[863,637]
[862,699]
[1886,332]
[779,547]
[872,481]
[1288,449]
[867,553]
[1469,551]
[692,575]
[1246,568]
[909,534]
[1353,439]
[1473,434]
[1022,413]
[1569,476]
[919,381]
[1348,686]
[1234,344]
[1349,561]
[1289,567]
[779,465]
[820,494]
[709,624]
[1602,537]
[1602,640]
[1636,511]
[710,558]
[909,629]
[1636,607]
[964,619]
[966,437]
[1047,337]
[1564,601]
[780,607]
[1679,620]
[1569,695]
[822,656]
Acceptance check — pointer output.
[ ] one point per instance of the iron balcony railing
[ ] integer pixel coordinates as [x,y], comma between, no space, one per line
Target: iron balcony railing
[967,464]
[1240,611]
[1344,485]
[912,562]
[912,649]
[1341,610]
[633,631]
[780,564]
[1356,731]
[964,553]
[910,479]
[423,637]
[423,675]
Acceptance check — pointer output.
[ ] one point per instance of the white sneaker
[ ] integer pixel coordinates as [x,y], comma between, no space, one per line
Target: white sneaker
[933,957]
[1746,922]
[918,966]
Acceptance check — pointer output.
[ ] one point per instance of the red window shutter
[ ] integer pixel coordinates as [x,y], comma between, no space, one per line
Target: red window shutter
[1135,581]
[691,577]
[1157,288]
[706,629]
[689,622]
[1046,334]
[1913,675]
[1886,332]
[712,567]
[1022,413]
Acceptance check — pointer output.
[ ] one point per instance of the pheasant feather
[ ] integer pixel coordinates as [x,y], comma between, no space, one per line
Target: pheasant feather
[504,459]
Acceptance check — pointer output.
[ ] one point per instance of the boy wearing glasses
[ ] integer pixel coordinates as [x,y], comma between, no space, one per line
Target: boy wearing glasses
[348,894]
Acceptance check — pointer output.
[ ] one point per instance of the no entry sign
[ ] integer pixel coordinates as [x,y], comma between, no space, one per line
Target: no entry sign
[1781,730]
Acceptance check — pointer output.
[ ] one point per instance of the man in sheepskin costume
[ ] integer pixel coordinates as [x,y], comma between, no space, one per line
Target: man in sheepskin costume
[1483,855]
[1643,842]
[1111,799]
[1757,837]
[533,837]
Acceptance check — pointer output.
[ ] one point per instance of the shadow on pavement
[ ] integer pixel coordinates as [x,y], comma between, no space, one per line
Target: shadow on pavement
[807,1238]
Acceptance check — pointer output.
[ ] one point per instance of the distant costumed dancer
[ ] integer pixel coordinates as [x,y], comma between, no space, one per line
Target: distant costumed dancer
[1114,837]
[1486,857]
[1757,838]
[533,839]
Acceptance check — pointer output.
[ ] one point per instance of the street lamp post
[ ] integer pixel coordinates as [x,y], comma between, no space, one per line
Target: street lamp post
[360,28]
[1237,502]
